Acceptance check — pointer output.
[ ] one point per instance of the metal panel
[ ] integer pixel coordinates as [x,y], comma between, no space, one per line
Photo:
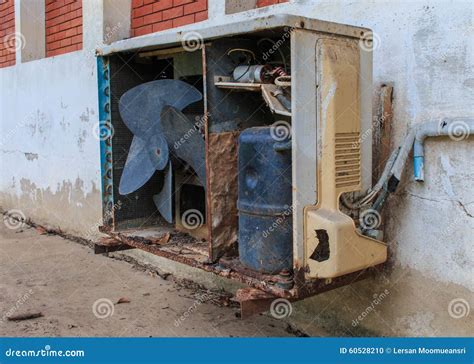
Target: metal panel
[196,33]
[304,103]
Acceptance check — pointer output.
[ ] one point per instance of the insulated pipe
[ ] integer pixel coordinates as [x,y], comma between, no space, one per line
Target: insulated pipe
[399,164]
[456,129]
[372,192]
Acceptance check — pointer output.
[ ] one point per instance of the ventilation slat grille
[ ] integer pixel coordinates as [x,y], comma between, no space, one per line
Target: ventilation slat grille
[347,160]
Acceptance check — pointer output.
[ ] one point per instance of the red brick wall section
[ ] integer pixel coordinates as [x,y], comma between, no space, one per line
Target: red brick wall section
[262,3]
[7,33]
[149,16]
[63,26]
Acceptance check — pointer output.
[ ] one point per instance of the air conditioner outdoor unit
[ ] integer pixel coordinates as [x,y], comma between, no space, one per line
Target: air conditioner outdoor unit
[229,147]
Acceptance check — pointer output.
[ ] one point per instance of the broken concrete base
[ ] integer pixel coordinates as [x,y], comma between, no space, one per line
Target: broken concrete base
[399,303]
[180,271]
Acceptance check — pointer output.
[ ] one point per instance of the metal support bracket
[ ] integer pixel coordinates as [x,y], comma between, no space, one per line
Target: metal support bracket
[253,301]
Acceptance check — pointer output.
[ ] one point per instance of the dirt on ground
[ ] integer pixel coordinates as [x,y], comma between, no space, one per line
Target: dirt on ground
[78,293]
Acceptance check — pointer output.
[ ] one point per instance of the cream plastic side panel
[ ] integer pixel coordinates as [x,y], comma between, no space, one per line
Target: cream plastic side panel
[333,247]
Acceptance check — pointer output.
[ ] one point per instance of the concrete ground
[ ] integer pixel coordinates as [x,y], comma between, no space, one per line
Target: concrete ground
[77,293]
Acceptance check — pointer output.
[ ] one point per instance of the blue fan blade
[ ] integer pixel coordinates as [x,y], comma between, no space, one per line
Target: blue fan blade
[138,167]
[158,151]
[184,140]
[164,200]
[140,107]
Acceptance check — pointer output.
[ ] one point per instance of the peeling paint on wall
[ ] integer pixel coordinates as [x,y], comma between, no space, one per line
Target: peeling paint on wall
[31,156]
[86,114]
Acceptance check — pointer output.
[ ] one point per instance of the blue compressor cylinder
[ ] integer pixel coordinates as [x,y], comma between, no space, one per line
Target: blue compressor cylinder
[265,201]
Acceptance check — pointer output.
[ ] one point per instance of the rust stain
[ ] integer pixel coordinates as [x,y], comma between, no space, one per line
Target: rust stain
[223,187]
[232,269]
[218,269]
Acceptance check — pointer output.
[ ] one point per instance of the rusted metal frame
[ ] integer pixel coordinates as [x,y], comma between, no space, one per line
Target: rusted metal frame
[259,281]
[148,246]
[252,301]
[305,288]
[236,266]
[382,127]
[206,140]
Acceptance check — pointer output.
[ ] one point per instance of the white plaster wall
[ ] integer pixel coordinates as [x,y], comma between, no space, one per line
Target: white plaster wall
[49,158]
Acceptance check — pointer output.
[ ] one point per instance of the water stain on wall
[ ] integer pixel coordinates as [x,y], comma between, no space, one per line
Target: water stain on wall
[68,206]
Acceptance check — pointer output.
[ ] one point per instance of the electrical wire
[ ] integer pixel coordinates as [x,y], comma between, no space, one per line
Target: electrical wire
[373,191]
[242,50]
